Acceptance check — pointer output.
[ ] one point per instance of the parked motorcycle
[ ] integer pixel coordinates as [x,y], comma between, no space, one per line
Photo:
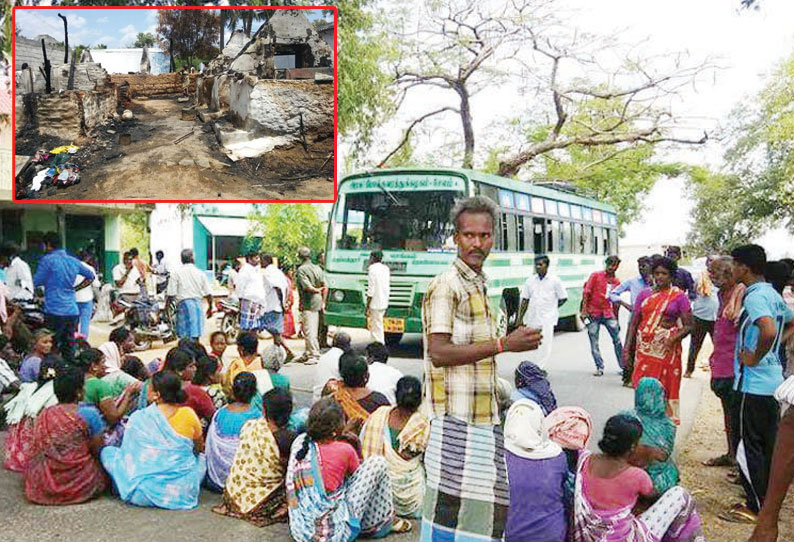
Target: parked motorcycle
[229,322]
[149,320]
[32,313]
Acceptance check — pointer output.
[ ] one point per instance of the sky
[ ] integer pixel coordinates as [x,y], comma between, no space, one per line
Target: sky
[116,28]
[746,45]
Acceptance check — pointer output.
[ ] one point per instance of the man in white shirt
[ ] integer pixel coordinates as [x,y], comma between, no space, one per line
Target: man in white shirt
[251,291]
[378,277]
[18,276]
[543,294]
[328,364]
[382,377]
[127,278]
[160,272]
[188,284]
[276,286]
[84,296]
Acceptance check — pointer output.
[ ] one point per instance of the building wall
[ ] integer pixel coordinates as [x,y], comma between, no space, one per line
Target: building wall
[27,50]
[154,85]
[200,237]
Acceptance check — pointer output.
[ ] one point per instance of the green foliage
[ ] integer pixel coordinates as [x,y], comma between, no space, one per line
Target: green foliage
[144,39]
[194,33]
[7,35]
[135,232]
[286,227]
[719,221]
[100,46]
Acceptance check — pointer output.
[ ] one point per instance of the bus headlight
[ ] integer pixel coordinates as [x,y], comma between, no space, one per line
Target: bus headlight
[338,296]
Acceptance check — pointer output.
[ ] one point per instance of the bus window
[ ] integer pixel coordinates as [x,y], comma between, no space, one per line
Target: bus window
[565,236]
[588,240]
[520,233]
[613,241]
[503,239]
[511,233]
[605,240]
[553,236]
[578,239]
[537,234]
[597,241]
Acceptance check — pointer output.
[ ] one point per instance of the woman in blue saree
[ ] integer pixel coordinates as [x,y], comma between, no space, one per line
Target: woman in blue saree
[159,462]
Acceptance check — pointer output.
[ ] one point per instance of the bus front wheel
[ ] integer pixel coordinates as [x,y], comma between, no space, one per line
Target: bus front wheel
[393,339]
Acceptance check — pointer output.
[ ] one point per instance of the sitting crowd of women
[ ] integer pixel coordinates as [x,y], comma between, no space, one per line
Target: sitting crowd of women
[352,467]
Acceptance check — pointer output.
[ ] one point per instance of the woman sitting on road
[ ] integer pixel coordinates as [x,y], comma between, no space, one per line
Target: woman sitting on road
[332,495]
[120,343]
[21,413]
[208,377]
[536,469]
[655,452]
[532,384]
[63,467]
[249,360]
[180,362]
[662,317]
[570,428]
[352,394]
[99,392]
[218,347]
[223,435]
[400,435]
[42,347]
[608,488]
[255,489]
[159,462]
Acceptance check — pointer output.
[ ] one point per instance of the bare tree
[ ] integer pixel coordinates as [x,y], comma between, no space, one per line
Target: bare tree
[65,40]
[466,46]
[455,49]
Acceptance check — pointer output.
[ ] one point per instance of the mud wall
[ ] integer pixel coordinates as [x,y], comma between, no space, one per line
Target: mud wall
[59,114]
[29,51]
[97,106]
[279,107]
[154,85]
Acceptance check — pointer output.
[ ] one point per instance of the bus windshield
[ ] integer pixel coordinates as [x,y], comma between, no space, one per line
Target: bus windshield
[395,220]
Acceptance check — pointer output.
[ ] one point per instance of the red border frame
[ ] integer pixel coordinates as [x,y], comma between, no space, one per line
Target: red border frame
[65,8]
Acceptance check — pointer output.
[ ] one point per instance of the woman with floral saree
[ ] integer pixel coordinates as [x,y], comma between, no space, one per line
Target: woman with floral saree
[356,399]
[400,434]
[63,467]
[662,318]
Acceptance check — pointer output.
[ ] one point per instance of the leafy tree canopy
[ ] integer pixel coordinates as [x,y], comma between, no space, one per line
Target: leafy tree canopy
[286,227]
[144,40]
[193,31]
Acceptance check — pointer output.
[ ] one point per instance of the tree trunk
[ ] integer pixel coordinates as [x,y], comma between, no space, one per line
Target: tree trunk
[223,26]
[47,69]
[65,40]
[468,130]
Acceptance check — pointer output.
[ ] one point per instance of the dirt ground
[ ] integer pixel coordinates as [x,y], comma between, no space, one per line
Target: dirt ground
[153,167]
[709,485]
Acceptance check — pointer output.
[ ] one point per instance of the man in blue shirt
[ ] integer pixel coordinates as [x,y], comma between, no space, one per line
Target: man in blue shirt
[758,372]
[57,272]
[634,286]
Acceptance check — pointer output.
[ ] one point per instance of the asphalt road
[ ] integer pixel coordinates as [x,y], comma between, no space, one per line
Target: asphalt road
[108,519]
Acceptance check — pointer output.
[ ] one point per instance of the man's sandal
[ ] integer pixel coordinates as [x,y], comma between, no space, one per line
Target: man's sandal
[723,460]
[739,513]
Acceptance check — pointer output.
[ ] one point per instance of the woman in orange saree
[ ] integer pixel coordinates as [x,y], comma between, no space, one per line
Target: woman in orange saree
[662,318]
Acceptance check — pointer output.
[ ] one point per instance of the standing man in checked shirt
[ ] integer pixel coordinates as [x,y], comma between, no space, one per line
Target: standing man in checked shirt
[460,339]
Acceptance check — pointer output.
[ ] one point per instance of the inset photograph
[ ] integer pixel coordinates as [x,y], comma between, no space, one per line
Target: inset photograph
[174,104]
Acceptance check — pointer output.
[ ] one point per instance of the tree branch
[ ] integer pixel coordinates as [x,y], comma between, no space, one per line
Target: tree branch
[410,128]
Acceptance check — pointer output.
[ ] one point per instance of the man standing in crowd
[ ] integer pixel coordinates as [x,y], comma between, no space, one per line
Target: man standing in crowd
[704,310]
[682,278]
[378,277]
[634,285]
[543,294]
[18,276]
[460,341]
[276,286]
[251,290]
[160,272]
[312,291]
[758,373]
[721,361]
[188,285]
[57,272]
[127,278]
[597,310]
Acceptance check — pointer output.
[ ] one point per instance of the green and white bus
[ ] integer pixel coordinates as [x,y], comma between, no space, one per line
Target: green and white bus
[405,213]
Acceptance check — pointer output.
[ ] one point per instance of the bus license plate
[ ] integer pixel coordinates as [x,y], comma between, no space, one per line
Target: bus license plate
[394,325]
